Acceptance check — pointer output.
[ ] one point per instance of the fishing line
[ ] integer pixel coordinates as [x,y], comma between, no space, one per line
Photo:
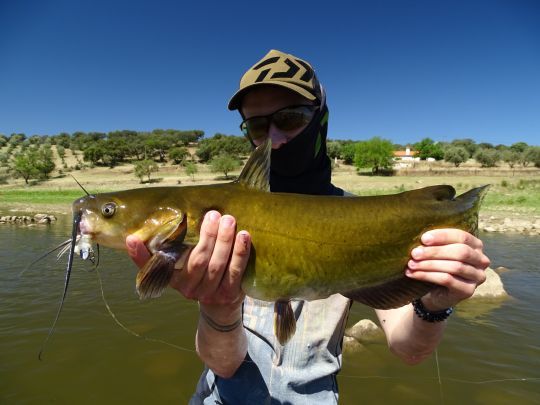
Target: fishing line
[439,375]
[131,332]
[457,380]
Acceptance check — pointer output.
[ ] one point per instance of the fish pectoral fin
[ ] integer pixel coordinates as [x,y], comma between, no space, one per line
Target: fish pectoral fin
[284,321]
[156,274]
[391,294]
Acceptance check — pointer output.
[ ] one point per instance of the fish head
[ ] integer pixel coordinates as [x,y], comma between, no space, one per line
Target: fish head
[108,218]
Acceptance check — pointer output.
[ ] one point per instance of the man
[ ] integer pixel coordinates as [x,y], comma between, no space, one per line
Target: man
[281,98]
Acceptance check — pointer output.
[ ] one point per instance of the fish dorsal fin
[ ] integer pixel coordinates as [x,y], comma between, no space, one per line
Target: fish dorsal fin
[441,192]
[256,172]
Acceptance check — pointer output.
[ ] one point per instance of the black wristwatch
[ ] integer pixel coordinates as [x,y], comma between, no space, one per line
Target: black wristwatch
[430,316]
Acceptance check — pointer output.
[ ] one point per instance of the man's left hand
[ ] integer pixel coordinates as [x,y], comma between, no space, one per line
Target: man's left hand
[450,258]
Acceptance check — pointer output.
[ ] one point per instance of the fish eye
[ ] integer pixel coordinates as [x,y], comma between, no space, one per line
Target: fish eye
[108,209]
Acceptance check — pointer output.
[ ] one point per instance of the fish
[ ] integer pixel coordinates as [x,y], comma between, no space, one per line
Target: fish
[303,246]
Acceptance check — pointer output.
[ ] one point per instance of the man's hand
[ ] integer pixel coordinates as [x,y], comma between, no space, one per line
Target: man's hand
[213,271]
[451,258]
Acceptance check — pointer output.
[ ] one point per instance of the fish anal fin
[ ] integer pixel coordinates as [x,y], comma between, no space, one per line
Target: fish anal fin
[284,321]
[154,277]
[392,294]
[256,172]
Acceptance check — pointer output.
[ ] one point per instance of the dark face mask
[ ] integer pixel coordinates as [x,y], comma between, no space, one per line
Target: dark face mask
[303,152]
[302,165]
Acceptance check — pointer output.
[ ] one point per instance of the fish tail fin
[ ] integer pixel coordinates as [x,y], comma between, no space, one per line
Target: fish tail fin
[470,202]
[154,277]
[284,321]
[474,196]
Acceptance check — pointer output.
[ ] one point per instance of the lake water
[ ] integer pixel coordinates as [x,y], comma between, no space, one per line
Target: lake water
[490,353]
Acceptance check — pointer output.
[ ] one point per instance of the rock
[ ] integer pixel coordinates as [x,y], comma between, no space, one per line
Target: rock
[491,288]
[365,331]
[38,217]
[52,218]
[501,269]
[351,345]
[489,229]
[45,220]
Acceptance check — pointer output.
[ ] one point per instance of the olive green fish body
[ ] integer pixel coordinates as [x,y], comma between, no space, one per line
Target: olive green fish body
[314,246]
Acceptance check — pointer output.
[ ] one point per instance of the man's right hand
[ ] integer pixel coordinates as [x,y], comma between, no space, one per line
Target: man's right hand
[212,273]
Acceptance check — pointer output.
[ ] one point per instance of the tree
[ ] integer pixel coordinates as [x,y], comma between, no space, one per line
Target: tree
[333,149]
[468,144]
[62,139]
[519,147]
[487,157]
[157,146]
[191,169]
[145,168]
[427,148]
[44,162]
[456,155]
[532,154]
[224,163]
[94,152]
[348,151]
[23,165]
[61,152]
[375,153]
[16,139]
[511,157]
[219,143]
[178,154]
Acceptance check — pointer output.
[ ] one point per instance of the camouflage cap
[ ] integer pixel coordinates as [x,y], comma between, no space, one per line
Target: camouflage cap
[279,69]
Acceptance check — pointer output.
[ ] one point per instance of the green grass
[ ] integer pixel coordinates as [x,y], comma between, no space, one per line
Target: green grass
[39,196]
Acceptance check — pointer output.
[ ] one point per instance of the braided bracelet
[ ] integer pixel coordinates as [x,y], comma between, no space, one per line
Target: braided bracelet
[430,316]
[219,327]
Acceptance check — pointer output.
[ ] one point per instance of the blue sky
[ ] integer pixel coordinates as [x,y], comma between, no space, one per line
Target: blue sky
[402,70]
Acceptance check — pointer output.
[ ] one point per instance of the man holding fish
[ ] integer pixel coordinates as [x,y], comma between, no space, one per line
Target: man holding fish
[280,98]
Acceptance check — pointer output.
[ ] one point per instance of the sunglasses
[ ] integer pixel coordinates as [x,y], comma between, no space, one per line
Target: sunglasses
[285,119]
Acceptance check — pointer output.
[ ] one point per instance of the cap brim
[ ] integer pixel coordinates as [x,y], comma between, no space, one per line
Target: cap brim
[236,99]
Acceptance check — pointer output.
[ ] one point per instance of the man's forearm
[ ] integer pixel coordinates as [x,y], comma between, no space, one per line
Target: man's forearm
[409,337]
[222,351]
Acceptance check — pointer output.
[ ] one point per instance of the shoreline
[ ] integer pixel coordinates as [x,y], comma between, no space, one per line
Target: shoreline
[502,220]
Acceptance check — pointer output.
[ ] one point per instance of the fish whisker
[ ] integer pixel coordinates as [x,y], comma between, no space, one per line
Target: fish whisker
[63,251]
[64,245]
[76,220]
[80,185]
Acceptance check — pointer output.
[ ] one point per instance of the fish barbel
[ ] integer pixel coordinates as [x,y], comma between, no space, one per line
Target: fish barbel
[303,246]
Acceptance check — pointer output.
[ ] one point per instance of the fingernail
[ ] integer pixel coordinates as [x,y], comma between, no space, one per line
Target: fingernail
[427,238]
[245,238]
[130,243]
[417,252]
[213,216]
[411,264]
[227,221]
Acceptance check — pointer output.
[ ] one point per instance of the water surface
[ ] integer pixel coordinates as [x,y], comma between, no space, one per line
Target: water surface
[490,353]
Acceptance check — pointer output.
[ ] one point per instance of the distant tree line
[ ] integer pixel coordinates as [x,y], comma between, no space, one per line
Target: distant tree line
[378,154]
[31,157]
